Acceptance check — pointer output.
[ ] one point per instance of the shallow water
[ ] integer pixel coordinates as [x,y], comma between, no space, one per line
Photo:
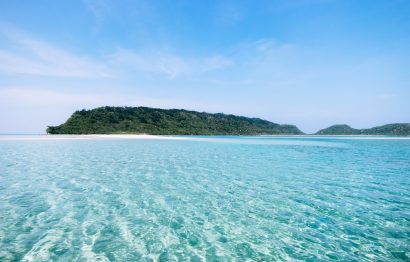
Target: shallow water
[204,198]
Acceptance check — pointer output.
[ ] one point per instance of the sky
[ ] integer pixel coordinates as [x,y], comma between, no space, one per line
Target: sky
[312,63]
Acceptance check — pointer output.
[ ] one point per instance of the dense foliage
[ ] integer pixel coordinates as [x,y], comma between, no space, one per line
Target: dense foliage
[339,130]
[144,120]
[386,130]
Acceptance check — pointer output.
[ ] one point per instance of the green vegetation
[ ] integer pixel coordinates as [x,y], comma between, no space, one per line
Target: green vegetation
[339,130]
[402,129]
[155,121]
[144,120]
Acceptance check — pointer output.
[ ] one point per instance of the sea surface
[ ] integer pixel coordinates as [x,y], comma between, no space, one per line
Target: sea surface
[76,198]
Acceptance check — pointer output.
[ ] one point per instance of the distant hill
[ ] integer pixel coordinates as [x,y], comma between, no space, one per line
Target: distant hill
[339,130]
[155,121]
[400,129]
[389,130]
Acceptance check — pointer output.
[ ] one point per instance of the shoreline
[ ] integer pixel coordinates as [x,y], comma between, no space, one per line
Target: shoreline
[86,137]
[39,137]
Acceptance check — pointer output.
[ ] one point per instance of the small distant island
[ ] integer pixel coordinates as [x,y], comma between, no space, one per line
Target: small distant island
[156,121]
[402,129]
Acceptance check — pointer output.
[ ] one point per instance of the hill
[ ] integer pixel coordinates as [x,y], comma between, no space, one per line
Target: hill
[155,121]
[399,129]
[338,130]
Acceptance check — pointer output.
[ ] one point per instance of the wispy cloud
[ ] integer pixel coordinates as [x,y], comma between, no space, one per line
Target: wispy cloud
[264,46]
[25,55]
[269,45]
[166,63]
[31,56]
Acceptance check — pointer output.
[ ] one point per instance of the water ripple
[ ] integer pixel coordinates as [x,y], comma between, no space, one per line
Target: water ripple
[212,199]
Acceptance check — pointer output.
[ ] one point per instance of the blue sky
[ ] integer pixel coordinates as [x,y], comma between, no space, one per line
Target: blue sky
[312,63]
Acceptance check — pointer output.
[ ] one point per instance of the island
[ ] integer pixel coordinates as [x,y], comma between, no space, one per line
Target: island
[156,121]
[398,129]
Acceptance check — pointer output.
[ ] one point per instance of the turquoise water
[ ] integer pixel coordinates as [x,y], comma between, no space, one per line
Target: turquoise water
[204,199]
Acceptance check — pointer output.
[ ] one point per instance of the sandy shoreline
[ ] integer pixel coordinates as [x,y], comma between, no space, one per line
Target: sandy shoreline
[87,137]
[171,137]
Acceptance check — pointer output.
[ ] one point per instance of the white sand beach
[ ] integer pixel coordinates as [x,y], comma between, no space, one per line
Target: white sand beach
[85,137]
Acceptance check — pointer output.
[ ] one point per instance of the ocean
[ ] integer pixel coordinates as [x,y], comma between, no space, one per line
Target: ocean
[267,198]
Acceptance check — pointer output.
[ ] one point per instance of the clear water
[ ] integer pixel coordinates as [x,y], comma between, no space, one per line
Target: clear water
[204,199]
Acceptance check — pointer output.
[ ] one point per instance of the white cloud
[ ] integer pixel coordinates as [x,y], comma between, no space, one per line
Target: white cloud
[265,45]
[38,97]
[166,63]
[21,54]
[34,57]
[11,63]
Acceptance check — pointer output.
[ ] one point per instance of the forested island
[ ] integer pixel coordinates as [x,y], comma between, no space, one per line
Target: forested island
[155,121]
[402,129]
